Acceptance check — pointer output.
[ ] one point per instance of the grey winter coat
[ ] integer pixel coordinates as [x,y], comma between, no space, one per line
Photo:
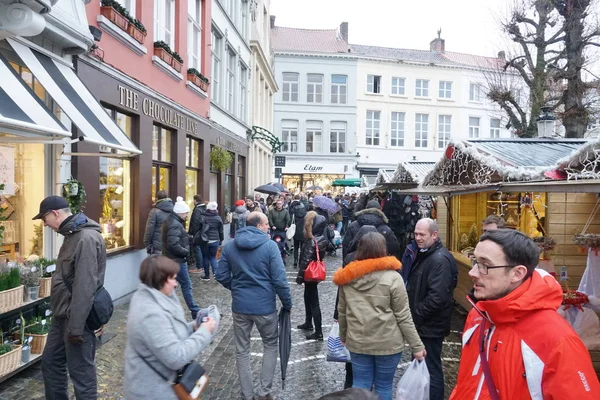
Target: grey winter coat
[158,331]
[175,240]
[238,221]
[156,218]
[80,269]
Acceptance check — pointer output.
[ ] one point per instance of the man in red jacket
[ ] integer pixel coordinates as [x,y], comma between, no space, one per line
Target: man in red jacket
[515,345]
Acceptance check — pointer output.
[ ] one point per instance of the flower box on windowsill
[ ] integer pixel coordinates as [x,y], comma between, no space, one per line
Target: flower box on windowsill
[196,80]
[115,17]
[176,64]
[163,55]
[137,34]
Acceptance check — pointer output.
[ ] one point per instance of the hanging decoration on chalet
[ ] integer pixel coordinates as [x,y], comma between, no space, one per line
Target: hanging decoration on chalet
[584,163]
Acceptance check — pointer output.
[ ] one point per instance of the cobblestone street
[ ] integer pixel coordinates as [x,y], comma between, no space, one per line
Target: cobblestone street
[309,376]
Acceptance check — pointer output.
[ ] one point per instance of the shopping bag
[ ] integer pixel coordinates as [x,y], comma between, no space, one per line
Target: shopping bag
[336,351]
[414,384]
[291,230]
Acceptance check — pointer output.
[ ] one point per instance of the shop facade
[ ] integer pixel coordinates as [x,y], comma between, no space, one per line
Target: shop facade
[301,173]
[175,147]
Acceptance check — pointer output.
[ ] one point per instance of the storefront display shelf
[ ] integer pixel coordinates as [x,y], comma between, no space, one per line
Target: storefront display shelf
[34,358]
[23,306]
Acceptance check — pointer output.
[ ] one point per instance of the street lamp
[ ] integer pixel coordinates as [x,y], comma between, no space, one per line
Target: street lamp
[545,123]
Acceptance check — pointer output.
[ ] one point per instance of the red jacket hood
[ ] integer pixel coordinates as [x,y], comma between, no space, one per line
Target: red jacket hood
[539,292]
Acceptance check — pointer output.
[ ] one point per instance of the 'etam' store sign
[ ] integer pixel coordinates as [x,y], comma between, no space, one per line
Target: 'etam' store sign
[314,167]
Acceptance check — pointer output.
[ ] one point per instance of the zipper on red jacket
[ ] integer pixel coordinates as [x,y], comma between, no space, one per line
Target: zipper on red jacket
[487,337]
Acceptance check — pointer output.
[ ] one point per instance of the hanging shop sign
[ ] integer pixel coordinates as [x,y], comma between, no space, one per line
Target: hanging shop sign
[313,167]
[155,110]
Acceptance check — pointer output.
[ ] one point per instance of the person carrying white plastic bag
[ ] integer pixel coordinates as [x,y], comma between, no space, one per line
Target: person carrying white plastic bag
[414,384]
[336,351]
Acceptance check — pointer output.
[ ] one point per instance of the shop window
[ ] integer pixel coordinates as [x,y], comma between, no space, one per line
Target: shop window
[161,160]
[193,169]
[241,186]
[161,179]
[115,197]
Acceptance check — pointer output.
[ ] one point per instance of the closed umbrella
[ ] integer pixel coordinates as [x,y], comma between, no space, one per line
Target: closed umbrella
[267,189]
[325,203]
[285,342]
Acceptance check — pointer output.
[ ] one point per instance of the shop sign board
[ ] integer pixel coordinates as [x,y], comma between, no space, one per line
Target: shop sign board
[314,167]
[280,161]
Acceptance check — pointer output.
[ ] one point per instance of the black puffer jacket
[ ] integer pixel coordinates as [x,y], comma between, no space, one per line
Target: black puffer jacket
[376,218]
[157,216]
[196,220]
[430,287]
[298,212]
[215,225]
[175,240]
[309,250]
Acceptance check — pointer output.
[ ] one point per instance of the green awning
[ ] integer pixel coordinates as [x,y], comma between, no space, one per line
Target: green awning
[347,182]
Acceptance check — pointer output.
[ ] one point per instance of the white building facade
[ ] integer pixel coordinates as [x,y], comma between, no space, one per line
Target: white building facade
[263,87]
[411,102]
[315,108]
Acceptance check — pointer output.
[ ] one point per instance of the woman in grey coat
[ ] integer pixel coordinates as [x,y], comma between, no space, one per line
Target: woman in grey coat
[159,339]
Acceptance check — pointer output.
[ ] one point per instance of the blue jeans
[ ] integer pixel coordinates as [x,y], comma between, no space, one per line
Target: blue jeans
[209,255]
[338,227]
[370,370]
[185,283]
[198,256]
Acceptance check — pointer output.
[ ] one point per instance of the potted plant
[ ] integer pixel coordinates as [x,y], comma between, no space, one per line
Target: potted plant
[137,30]
[10,358]
[30,278]
[176,62]
[74,192]
[116,13]
[194,76]
[38,333]
[47,267]
[220,159]
[25,341]
[11,290]
[163,51]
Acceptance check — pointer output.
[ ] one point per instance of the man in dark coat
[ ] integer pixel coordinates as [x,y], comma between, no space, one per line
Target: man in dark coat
[371,215]
[431,279]
[176,246]
[298,212]
[157,216]
[197,225]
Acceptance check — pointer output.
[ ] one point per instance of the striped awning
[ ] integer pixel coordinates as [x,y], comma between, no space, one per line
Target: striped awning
[22,113]
[73,97]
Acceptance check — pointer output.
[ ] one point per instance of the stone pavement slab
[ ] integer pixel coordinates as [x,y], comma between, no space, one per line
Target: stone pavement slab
[309,375]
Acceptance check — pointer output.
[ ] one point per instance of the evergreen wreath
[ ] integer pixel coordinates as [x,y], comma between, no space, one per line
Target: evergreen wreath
[76,201]
[220,159]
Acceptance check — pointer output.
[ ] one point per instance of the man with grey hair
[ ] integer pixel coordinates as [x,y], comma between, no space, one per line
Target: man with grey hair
[80,268]
[430,273]
[252,268]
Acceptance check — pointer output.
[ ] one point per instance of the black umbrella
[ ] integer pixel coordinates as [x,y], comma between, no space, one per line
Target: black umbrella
[267,189]
[314,188]
[280,187]
[285,342]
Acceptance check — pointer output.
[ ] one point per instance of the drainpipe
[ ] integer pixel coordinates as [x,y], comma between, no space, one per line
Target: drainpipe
[45,8]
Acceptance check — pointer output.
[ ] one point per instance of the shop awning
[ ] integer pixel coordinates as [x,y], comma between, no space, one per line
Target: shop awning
[347,182]
[21,111]
[73,97]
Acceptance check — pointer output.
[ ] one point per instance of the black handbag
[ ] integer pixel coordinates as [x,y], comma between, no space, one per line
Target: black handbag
[102,307]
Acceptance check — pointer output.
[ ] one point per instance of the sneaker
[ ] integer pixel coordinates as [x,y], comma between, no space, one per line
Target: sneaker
[305,327]
[315,336]
[205,278]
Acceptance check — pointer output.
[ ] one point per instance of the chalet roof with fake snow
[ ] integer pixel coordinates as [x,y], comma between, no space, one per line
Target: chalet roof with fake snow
[505,160]
[412,171]
[384,176]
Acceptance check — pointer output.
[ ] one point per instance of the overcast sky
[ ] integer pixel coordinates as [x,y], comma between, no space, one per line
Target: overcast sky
[468,26]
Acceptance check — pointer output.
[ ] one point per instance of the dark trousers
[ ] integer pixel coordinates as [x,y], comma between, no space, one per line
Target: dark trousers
[311,304]
[297,247]
[209,258]
[61,356]
[344,225]
[434,365]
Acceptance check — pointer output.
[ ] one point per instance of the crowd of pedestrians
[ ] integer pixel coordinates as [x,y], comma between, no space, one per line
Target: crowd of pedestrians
[515,344]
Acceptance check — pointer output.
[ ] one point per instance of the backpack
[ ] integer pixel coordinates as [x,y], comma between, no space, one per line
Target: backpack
[240,223]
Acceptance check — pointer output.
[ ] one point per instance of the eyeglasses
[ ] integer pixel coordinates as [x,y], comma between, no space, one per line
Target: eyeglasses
[483,269]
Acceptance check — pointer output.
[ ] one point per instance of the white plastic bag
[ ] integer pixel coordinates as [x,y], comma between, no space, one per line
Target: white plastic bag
[336,351]
[414,384]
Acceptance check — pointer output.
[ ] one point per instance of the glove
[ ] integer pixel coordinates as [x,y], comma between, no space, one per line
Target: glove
[299,280]
[75,339]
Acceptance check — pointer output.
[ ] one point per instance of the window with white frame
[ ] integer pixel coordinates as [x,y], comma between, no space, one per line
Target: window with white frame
[164,21]
[372,131]
[495,128]
[397,131]
[373,84]
[421,129]
[217,45]
[290,86]
[129,6]
[231,70]
[474,127]
[422,88]
[398,86]
[445,90]
[444,130]
[339,89]
[194,33]
[243,91]
[244,16]
[337,137]
[289,135]
[475,92]
[314,88]
[314,136]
